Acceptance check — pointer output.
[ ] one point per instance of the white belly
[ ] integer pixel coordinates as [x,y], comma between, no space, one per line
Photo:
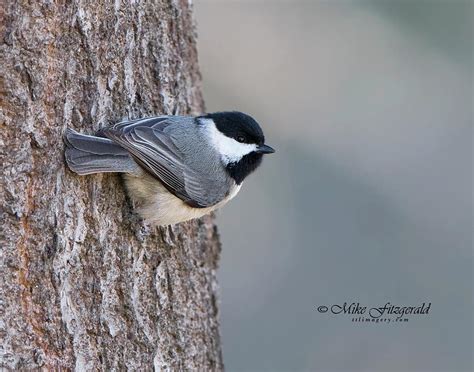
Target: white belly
[158,206]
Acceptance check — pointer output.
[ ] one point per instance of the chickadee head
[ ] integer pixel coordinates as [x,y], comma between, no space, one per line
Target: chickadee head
[239,140]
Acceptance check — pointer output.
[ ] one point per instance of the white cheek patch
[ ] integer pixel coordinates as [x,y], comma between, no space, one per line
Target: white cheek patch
[231,151]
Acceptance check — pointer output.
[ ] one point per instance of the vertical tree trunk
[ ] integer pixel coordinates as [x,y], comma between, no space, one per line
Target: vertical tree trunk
[85,284]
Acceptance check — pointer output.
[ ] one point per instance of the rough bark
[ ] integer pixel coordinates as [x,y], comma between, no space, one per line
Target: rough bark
[86,284]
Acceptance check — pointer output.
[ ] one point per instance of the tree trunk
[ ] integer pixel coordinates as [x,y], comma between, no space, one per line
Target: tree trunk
[85,283]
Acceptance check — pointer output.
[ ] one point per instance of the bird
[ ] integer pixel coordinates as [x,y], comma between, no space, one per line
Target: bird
[175,168]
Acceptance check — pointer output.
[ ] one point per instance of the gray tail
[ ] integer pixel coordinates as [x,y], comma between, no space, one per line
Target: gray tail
[89,154]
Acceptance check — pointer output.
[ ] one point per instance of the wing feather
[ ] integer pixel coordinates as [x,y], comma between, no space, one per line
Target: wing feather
[158,154]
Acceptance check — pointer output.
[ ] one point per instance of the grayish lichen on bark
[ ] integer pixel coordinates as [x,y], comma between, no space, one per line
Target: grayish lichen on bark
[85,284]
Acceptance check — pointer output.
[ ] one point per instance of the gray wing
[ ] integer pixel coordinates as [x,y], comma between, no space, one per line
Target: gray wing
[157,153]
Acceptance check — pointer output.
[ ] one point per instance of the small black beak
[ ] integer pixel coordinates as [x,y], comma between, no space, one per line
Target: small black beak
[264,149]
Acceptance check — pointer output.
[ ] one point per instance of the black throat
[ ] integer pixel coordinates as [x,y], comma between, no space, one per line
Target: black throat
[241,169]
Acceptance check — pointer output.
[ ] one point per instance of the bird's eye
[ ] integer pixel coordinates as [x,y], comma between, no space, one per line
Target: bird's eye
[241,139]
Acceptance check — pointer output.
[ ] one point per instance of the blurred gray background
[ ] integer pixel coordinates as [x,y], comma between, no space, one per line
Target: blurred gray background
[369,195]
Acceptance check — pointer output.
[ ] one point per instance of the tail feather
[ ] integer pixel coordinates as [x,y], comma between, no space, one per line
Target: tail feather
[89,154]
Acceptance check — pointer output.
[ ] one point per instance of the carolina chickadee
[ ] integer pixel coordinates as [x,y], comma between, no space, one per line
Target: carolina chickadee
[176,168]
